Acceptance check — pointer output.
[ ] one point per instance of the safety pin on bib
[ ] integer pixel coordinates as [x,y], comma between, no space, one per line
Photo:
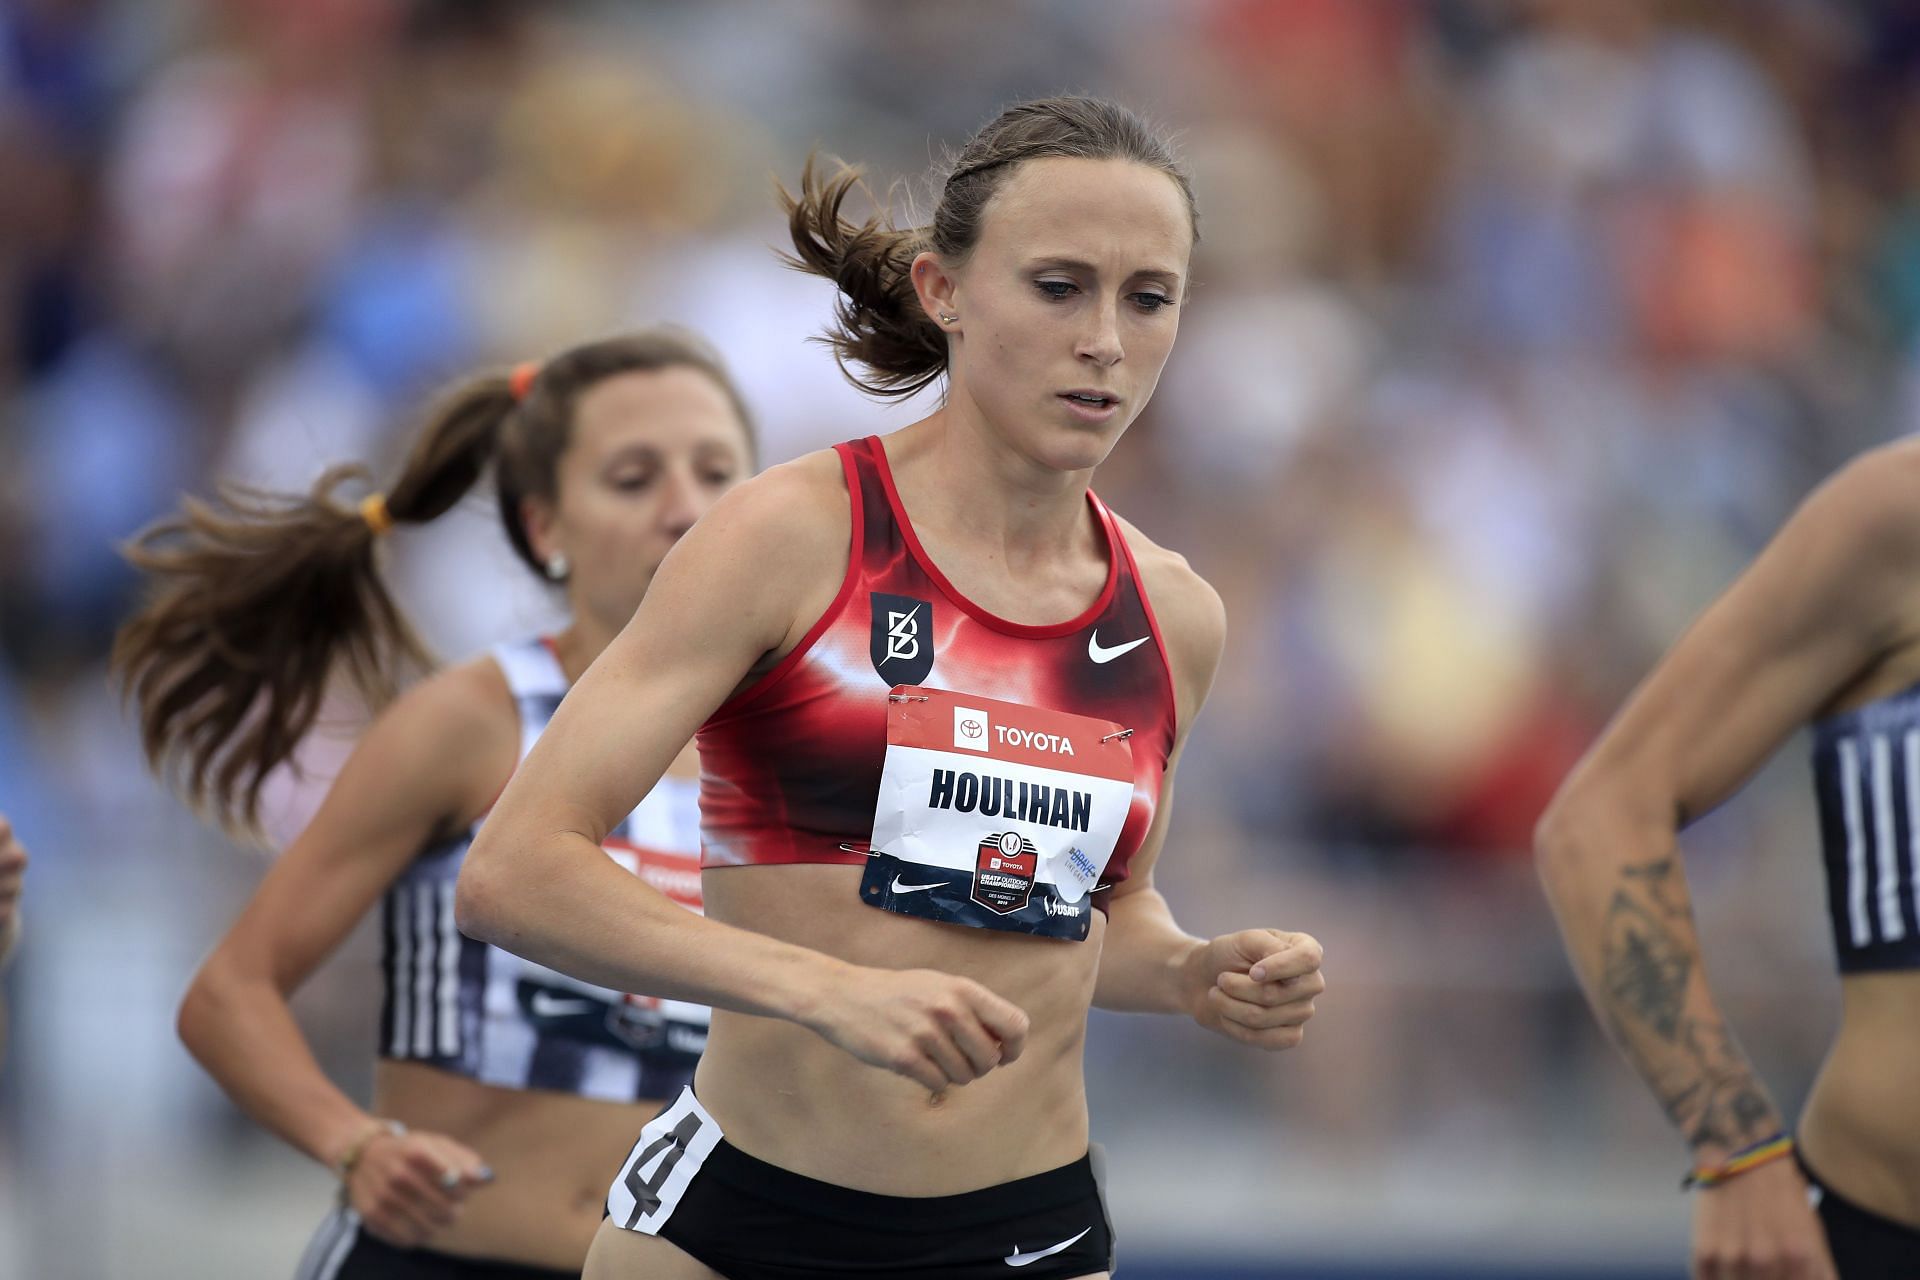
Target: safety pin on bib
[908,697]
[1121,733]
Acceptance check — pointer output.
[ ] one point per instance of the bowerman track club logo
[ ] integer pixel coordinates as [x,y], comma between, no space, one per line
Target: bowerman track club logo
[901,641]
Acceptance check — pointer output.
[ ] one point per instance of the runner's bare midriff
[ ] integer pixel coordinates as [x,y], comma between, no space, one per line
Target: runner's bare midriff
[784,1095]
[1861,1130]
[552,1154]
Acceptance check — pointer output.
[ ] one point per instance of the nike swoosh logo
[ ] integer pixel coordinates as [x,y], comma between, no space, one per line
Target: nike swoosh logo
[1101,653]
[545,1006]
[914,888]
[1019,1259]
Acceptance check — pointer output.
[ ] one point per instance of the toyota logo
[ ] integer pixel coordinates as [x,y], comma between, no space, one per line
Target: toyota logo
[971,728]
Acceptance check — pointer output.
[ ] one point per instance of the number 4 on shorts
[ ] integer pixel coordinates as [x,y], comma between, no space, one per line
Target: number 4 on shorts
[646,1191]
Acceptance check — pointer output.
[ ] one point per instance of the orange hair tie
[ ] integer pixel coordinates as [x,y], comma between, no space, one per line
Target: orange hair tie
[520,381]
[373,509]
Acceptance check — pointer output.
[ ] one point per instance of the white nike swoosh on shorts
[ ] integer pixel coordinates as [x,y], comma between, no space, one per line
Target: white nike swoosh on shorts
[914,888]
[1019,1259]
[1101,653]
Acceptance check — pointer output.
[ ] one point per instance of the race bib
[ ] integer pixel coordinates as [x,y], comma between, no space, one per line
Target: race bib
[995,814]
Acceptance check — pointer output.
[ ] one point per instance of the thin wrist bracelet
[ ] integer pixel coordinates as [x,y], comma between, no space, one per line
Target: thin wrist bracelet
[1765,1151]
[343,1167]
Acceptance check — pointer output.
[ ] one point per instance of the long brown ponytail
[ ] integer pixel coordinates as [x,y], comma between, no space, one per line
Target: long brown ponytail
[258,601]
[878,322]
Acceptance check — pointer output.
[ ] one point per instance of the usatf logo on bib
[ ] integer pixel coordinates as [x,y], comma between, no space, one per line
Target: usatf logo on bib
[901,642]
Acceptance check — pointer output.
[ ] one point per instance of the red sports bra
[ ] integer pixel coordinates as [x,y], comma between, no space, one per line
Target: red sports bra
[791,766]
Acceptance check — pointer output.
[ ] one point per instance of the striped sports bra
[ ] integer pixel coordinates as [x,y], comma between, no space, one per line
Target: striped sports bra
[1866,768]
[480,1012]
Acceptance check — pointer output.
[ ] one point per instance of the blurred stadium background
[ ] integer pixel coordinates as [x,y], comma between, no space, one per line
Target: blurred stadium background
[1518,327]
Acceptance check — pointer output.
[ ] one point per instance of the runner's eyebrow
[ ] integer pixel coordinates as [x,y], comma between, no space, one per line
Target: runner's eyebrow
[1062,262]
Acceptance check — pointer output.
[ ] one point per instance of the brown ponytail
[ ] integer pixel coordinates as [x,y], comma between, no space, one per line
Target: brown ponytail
[257,601]
[878,321]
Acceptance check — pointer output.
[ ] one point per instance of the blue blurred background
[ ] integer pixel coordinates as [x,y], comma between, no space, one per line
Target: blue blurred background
[1518,327]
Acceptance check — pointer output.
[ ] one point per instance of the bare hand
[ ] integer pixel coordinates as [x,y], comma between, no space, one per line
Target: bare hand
[931,1027]
[1759,1226]
[409,1187]
[1257,986]
[13,871]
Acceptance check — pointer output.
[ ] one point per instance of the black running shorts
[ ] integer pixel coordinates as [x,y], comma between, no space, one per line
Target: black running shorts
[1865,1245]
[750,1220]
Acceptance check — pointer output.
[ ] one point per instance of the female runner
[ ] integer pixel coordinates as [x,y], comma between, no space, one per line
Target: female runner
[494,1073]
[940,690]
[1824,627]
[13,874]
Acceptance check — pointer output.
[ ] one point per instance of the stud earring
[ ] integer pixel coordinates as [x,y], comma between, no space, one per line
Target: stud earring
[947,319]
[557,568]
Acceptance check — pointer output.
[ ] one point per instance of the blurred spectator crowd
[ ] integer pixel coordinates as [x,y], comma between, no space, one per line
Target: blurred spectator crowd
[1517,329]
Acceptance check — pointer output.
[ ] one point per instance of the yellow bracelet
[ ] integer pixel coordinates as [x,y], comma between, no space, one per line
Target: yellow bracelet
[1765,1151]
[344,1166]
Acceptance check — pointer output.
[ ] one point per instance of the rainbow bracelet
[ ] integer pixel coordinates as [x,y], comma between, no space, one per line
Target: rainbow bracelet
[1765,1151]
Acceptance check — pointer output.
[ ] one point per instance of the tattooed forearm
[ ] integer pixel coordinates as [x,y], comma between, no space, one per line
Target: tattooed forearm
[1661,882]
[1647,965]
[1705,1084]
[1657,1007]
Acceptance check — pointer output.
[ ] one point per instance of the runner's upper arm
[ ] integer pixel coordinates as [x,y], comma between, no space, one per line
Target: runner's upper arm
[1818,607]
[1193,623]
[429,764]
[739,586]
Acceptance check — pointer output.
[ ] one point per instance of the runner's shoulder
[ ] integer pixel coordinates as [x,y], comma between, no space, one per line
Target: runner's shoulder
[787,518]
[1192,617]
[453,737]
[1181,598]
[455,706]
[1871,502]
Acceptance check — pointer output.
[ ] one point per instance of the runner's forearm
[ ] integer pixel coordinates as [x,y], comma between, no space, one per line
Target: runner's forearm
[243,1033]
[566,905]
[1622,902]
[1146,959]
